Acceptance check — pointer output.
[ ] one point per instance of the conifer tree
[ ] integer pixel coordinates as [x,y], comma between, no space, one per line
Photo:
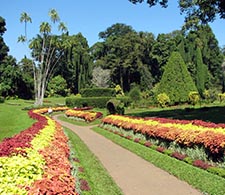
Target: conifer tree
[176,81]
[201,72]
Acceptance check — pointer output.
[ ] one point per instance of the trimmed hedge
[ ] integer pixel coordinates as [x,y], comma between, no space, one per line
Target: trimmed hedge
[98,92]
[125,99]
[96,102]
[99,102]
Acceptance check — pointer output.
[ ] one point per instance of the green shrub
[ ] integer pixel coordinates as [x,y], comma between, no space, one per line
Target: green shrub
[57,87]
[98,92]
[221,97]
[2,99]
[188,160]
[163,100]
[125,99]
[194,97]
[119,91]
[115,106]
[135,94]
[168,152]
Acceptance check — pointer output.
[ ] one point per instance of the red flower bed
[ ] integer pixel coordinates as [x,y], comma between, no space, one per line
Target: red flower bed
[23,139]
[57,178]
[45,155]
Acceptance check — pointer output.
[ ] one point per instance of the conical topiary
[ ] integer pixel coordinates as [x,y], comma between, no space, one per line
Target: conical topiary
[176,81]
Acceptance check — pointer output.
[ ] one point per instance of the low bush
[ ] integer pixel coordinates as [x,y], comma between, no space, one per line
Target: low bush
[2,99]
[115,106]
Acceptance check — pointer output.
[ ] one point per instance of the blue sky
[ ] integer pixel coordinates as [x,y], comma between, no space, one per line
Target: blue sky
[91,17]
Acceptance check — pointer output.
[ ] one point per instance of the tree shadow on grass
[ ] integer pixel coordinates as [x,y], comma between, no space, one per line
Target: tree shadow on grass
[214,114]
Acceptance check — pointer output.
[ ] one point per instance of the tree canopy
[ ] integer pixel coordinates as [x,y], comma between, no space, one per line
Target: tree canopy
[205,11]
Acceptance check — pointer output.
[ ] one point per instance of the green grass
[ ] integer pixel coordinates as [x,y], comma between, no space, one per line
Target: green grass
[96,175]
[211,113]
[198,178]
[13,119]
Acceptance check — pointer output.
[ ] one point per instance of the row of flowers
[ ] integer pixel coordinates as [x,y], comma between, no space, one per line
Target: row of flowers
[88,116]
[35,161]
[182,132]
[183,157]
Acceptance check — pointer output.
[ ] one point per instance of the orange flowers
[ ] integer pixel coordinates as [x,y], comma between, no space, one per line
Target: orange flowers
[189,133]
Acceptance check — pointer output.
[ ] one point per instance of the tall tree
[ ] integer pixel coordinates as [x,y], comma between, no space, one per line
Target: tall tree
[26,83]
[76,65]
[176,81]
[3,47]
[164,45]
[204,39]
[201,73]
[46,52]
[9,77]
[124,51]
[25,18]
[205,10]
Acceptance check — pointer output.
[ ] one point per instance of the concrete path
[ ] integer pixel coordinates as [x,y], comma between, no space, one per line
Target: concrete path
[132,174]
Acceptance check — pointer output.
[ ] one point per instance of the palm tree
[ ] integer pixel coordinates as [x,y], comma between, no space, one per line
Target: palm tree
[54,16]
[25,18]
[62,27]
[45,28]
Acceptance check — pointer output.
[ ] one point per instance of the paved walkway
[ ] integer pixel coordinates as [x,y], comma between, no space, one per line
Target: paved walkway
[132,174]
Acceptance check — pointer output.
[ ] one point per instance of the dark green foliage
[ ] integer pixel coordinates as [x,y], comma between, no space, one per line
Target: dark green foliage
[125,99]
[10,77]
[146,79]
[75,66]
[57,86]
[204,39]
[98,92]
[115,106]
[2,99]
[176,81]
[201,73]
[206,11]
[135,94]
[26,83]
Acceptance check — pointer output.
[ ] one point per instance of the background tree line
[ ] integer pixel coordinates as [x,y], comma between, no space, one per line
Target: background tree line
[123,57]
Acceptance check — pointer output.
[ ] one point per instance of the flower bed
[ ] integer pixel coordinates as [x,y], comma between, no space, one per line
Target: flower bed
[85,115]
[185,133]
[30,160]
[179,156]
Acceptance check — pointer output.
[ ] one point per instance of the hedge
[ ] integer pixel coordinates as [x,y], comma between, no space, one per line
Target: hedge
[97,102]
[98,92]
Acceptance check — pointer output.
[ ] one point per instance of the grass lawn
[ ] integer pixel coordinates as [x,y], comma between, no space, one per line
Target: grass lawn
[212,113]
[13,119]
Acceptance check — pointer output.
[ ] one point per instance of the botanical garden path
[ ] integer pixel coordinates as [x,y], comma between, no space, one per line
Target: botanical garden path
[132,174]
